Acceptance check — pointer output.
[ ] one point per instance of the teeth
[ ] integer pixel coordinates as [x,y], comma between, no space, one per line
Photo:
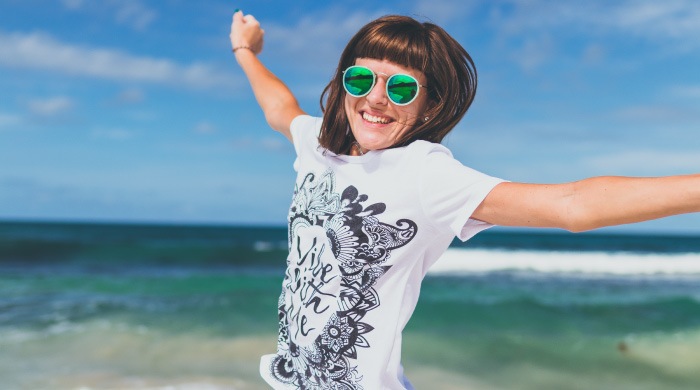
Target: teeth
[375,119]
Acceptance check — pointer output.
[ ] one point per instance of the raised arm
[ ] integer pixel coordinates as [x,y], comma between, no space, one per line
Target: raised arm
[276,100]
[590,203]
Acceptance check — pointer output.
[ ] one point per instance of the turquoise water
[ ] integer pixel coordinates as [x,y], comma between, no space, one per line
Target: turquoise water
[193,307]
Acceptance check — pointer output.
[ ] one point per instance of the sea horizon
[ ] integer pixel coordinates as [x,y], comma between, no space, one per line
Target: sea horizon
[615,230]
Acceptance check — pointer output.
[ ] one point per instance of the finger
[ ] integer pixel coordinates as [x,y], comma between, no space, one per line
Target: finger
[250,19]
[238,16]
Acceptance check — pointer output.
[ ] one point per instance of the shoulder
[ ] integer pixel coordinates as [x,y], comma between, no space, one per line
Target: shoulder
[305,130]
[438,167]
[304,124]
[425,151]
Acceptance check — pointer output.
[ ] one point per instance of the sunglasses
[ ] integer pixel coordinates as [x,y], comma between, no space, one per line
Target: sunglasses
[401,89]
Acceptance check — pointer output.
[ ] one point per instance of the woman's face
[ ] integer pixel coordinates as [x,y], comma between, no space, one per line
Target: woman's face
[375,121]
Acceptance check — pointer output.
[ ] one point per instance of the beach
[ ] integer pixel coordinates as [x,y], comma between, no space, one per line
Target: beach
[135,306]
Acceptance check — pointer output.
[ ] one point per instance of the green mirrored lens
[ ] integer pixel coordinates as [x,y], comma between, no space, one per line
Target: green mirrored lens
[358,81]
[402,89]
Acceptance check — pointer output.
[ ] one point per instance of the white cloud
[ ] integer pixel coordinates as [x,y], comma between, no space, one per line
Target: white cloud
[130,95]
[593,54]
[243,143]
[43,52]
[317,36]
[677,19]
[204,127]
[51,107]
[113,134]
[534,52]
[671,20]
[133,13]
[686,91]
[265,144]
[657,113]
[35,197]
[273,144]
[646,162]
[7,120]
[73,4]
[444,11]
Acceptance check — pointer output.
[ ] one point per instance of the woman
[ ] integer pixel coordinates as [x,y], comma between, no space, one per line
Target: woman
[378,200]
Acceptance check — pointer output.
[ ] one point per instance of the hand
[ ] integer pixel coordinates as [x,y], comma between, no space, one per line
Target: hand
[246,31]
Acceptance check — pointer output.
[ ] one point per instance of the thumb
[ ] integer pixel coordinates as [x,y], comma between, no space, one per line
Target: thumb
[238,16]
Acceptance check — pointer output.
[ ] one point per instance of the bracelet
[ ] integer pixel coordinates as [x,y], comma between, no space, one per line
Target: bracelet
[243,47]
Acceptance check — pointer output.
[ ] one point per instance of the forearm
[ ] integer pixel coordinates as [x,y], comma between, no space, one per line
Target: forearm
[276,100]
[608,201]
[591,203]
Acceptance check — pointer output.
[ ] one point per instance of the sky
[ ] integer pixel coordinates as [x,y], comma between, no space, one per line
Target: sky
[136,111]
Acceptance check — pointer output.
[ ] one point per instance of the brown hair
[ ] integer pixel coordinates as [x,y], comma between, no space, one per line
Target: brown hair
[449,70]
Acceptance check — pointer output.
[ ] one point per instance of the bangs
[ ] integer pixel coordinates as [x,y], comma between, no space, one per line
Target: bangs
[401,43]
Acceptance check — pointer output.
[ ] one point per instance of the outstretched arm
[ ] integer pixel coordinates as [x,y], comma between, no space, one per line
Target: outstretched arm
[590,203]
[276,100]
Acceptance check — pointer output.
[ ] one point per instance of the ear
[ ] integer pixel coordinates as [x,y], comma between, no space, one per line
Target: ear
[429,111]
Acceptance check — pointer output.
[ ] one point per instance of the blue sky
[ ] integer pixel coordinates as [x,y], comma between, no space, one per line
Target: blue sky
[135,110]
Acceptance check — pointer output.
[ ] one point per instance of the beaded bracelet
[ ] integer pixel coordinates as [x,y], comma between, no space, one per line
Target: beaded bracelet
[242,47]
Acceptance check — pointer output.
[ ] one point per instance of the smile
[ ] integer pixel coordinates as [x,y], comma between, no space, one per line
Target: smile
[376,119]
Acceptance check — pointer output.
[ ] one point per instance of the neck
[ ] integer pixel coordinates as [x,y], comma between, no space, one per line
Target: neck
[357,150]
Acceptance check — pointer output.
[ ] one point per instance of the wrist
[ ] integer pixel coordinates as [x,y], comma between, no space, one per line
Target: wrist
[242,47]
[243,54]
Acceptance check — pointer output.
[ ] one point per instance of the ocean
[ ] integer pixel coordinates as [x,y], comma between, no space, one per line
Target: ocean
[137,306]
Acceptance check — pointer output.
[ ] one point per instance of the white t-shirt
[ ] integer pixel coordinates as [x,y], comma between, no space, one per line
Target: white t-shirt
[363,231]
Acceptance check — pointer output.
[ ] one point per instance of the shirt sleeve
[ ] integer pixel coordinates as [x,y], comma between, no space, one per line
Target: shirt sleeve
[450,192]
[305,130]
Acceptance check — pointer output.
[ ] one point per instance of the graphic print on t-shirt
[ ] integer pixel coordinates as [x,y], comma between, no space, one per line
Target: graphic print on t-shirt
[337,251]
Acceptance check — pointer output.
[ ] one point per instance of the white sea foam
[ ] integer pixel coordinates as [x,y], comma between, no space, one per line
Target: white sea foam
[266,246]
[111,354]
[467,261]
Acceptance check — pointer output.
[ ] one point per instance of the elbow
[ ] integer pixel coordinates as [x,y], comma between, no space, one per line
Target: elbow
[573,224]
[279,116]
[577,218]
[274,122]
[274,117]
[578,227]
[584,220]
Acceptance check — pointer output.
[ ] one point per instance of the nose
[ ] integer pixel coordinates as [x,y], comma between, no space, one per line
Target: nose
[377,96]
